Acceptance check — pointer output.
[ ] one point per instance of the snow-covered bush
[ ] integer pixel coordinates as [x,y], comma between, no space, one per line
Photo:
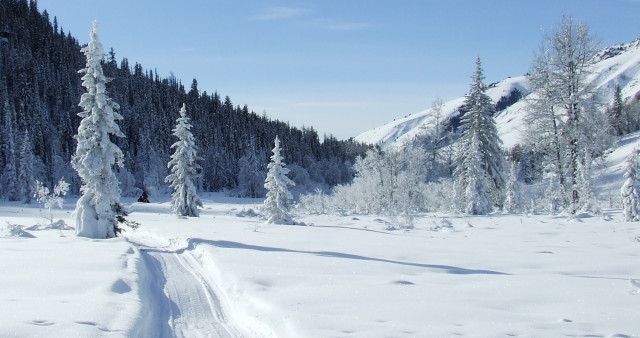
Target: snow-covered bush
[48,198]
[389,183]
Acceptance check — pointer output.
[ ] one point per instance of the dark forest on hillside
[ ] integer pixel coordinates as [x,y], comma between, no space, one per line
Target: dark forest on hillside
[39,93]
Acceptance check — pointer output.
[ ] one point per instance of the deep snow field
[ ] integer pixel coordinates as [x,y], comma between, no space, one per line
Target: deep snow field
[339,276]
[229,274]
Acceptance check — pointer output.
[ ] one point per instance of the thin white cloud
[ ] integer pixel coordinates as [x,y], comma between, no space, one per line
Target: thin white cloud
[279,13]
[347,26]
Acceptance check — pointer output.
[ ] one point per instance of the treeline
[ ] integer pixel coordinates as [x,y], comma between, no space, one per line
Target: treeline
[39,93]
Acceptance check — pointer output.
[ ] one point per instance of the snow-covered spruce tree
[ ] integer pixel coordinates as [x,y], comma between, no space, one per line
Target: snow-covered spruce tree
[26,167]
[476,195]
[97,210]
[9,177]
[478,124]
[630,191]
[617,118]
[277,206]
[184,169]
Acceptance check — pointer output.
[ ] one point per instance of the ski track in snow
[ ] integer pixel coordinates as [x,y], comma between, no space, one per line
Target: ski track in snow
[190,304]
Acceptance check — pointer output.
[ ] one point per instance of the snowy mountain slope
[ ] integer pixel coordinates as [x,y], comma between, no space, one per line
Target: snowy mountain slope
[619,64]
[610,171]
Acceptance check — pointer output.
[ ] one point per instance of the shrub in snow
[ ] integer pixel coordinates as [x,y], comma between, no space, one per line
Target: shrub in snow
[588,201]
[554,191]
[96,210]
[14,230]
[277,206]
[50,199]
[184,169]
[513,200]
[630,190]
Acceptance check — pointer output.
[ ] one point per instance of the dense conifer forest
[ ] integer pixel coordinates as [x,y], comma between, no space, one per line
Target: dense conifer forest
[40,89]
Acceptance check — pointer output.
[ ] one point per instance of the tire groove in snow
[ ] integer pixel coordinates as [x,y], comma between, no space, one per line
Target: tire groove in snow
[193,309]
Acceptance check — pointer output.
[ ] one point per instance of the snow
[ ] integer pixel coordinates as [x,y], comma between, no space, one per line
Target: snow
[228,273]
[224,274]
[55,284]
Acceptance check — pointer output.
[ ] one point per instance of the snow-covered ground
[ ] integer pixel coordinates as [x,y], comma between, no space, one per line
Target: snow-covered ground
[228,273]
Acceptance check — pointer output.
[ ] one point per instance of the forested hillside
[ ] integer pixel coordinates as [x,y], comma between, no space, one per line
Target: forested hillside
[39,93]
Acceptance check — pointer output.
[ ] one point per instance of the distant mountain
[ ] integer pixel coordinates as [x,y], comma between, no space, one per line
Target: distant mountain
[619,64]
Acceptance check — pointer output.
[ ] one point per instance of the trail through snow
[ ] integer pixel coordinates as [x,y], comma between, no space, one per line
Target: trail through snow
[190,304]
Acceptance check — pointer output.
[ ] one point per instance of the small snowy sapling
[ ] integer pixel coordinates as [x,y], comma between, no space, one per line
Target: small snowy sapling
[50,199]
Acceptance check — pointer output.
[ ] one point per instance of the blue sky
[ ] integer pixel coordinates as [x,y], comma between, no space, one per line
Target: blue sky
[344,66]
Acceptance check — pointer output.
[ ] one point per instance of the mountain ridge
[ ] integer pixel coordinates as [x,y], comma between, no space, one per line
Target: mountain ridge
[616,65]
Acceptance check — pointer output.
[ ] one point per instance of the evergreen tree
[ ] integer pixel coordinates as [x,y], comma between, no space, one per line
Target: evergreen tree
[9,178]
[277,205]
[97,209]
[479,126]
[184,169]
[250,177]
[26,165]
[630,191]
[477,198]
[617,120]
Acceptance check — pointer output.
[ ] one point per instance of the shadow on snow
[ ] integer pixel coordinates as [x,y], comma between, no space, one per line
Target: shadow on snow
[193,242]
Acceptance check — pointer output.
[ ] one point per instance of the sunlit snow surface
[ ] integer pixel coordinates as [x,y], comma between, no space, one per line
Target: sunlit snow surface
[339,276]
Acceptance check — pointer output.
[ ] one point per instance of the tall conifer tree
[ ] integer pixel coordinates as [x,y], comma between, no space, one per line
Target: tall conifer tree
[479,144]
[96,210]
[184,169]
[278,202]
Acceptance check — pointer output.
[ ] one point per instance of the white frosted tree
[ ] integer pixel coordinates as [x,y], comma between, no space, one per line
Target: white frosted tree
[277,205]
[554,192]
[630,191]
[513,198]
[51,198]
[96,211]
[481,146]
[184,169]
[559,79]
[477,198]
